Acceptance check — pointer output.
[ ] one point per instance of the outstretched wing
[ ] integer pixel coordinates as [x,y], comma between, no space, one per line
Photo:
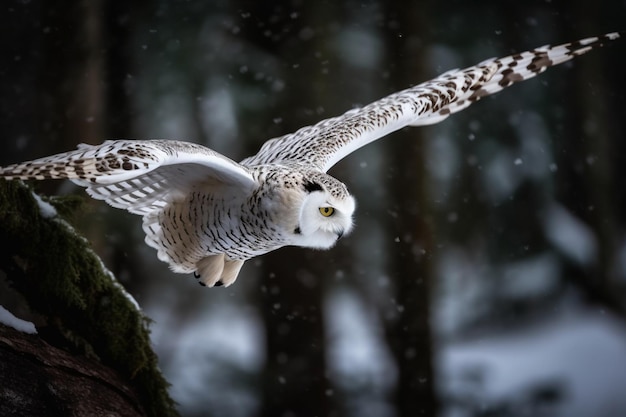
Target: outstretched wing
[324,144]
[139,176]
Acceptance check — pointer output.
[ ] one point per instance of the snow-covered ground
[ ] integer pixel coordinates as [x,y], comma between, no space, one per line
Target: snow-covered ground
[572,365]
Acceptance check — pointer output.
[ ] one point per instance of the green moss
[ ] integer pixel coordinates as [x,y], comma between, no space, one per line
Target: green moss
[63,280]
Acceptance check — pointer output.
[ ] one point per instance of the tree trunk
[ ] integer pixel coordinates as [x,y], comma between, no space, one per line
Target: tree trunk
[295,381]
[410,336]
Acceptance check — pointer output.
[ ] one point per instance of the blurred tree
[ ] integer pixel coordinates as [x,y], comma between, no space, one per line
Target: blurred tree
[593,163]
[410,334]
[113,67]
[116,25]
[294,380]
[18,75]
[52,96]
[70,93]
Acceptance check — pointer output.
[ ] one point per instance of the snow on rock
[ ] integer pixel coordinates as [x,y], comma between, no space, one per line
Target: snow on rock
[7,318]
[46,209]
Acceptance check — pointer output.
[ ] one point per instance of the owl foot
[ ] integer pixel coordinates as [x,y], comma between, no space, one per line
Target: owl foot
[217,270]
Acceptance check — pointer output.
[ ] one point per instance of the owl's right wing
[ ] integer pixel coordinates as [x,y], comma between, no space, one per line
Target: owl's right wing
[322,145]
[139,176]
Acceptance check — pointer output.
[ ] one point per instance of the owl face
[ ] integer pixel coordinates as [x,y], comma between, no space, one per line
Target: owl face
[324,218]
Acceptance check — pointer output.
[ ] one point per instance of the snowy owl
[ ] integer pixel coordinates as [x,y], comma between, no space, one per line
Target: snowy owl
[207,214]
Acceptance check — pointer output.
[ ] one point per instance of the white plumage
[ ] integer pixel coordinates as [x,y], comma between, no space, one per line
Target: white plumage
[207,214]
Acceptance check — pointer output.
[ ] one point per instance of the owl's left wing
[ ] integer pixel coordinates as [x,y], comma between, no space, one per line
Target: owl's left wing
[138,175]
[324,144]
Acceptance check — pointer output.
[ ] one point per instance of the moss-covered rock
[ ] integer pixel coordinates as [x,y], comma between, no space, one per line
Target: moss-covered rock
[63,280]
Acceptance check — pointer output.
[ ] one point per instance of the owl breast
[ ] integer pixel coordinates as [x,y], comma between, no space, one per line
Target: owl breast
[204,224]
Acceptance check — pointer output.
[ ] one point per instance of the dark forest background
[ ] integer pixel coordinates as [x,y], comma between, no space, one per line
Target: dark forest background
[490,250]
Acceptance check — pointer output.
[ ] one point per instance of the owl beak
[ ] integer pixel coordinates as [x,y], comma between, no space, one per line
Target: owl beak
[339,234]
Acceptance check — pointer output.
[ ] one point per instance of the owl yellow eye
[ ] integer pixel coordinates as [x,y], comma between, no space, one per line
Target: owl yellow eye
[327,211]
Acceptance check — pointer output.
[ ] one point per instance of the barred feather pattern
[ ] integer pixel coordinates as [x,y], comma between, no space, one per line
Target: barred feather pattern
[324,144]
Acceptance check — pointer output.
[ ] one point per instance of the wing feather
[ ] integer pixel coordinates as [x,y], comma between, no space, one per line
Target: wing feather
[139,176]
[324,144]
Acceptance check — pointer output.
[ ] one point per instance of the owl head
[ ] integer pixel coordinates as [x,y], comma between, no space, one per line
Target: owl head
[325,212]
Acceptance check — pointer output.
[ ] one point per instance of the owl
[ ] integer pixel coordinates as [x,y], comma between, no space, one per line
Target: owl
[207,214]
